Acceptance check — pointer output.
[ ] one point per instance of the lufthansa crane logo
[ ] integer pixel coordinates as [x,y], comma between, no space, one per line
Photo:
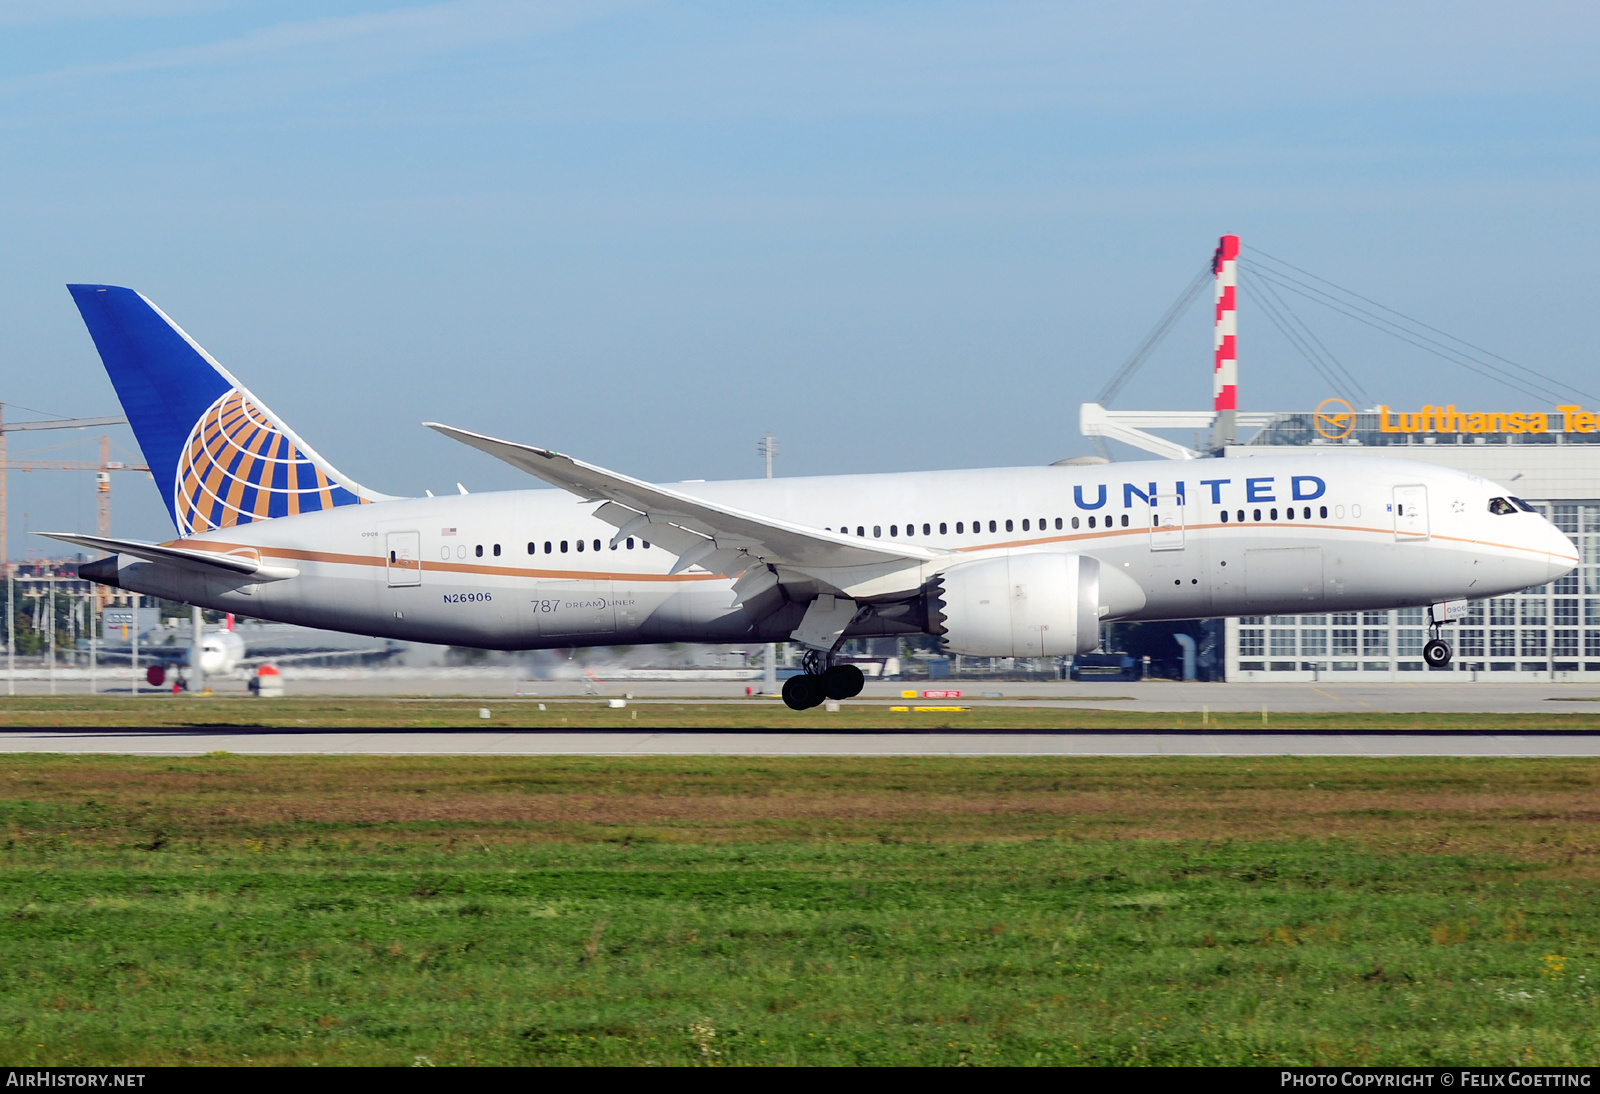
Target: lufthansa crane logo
[1332,422]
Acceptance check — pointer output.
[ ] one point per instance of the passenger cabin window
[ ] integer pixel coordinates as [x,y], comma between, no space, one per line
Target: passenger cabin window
[992,527]
[532,549]
[1058,524]
[496,550]
[630,543]
[944,529]
[580,545]
[1124,520]
[927,529]
[1008,526]
[596,545]
[860,531]
[1091,522]
[1324,512]
[877,531]
[547,547]
[894,530]
[1074,522]
[563,546]
[478,550]
[960,527]
[1500,507]
[1224,516]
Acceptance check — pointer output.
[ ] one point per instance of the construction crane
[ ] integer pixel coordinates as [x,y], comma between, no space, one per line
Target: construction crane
[102,469]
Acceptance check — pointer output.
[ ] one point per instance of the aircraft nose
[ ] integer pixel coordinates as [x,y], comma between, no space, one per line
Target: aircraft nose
[1562,552]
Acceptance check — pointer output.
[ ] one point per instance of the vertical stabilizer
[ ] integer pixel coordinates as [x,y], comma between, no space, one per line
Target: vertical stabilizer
[219,457]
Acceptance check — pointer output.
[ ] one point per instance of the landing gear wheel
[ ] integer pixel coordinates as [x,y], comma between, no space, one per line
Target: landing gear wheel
[802,692]
[1436,653]
[843,682]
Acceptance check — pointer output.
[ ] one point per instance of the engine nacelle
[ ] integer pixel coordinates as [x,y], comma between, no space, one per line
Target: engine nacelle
[1025,604]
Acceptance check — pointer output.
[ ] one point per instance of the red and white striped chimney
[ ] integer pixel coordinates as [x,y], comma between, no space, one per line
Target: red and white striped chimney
[1225,373]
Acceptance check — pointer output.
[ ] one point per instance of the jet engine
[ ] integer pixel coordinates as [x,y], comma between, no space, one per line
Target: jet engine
[1024,604]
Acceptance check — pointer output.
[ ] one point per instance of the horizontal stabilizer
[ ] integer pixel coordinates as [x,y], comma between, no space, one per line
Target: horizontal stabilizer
[242,564]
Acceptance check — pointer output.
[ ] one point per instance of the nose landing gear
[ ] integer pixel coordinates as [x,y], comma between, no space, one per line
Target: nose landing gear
[821,680]
[1437,651]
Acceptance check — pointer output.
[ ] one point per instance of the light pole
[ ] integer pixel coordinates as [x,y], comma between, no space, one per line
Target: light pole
[135,599]
[197,673]
[767,447]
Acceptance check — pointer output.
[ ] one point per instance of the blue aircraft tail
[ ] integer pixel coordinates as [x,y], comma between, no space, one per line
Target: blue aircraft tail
[218,455]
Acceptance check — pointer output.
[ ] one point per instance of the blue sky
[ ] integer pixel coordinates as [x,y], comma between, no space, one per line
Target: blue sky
[896,235]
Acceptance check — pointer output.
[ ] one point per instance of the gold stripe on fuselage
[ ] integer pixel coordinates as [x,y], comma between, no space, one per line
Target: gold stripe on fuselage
[336,558]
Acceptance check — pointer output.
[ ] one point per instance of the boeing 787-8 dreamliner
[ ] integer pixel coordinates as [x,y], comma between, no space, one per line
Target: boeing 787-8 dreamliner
[1009,562]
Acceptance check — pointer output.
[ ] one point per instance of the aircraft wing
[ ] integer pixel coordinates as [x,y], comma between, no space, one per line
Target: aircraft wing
[247,564]
[148,655]
[308,655]
[719,538]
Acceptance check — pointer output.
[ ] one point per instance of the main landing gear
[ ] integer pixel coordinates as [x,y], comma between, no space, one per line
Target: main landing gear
[821,680]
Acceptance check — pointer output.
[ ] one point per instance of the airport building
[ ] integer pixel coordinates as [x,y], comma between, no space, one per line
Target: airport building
[1549,632]
[1549,458]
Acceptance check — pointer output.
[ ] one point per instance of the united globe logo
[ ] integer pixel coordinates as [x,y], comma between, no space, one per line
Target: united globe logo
[238,467]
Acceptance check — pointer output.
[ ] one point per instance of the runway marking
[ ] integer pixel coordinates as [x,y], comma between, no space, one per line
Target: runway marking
[780,744]
[1338,699]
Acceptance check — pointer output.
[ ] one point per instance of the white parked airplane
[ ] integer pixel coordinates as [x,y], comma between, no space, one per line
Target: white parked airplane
[225,650]
[1019,562]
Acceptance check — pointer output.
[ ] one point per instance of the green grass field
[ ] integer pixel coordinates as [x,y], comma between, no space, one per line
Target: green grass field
[333,712]
[225,909]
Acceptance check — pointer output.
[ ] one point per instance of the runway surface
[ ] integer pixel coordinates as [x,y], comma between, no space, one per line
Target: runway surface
[192,742]
[1430,694]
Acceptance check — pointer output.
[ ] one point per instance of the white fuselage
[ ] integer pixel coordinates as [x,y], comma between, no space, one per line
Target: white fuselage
[534,568]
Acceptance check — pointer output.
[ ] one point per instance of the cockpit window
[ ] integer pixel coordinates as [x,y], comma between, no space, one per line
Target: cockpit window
[1500,507]
[1524,506]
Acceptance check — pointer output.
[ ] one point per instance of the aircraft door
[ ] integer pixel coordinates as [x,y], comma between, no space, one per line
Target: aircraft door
[405,558]
[1410,512]
[1166,523]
